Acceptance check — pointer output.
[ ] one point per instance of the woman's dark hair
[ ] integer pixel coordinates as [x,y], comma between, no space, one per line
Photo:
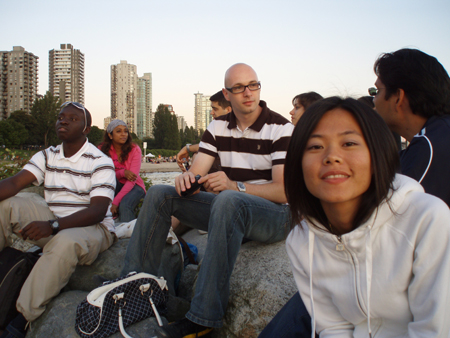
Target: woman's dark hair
[126,147]
[383,154]
[307,99]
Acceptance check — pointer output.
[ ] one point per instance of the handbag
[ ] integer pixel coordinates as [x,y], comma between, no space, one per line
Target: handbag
[121,302]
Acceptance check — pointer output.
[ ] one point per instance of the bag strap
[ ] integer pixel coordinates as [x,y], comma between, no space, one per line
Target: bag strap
[122,329]
[188,251]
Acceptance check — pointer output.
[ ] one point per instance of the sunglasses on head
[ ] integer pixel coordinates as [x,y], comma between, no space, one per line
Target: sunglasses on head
[79,106]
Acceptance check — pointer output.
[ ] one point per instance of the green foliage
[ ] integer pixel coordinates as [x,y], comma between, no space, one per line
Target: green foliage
[28,121]
[136,140]
[151,143]
[45,111]
[10,168]
[96,135]
[165,129]
[12,133]
[190,135]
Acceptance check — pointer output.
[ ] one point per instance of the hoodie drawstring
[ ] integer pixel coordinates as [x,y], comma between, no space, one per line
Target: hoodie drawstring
[311,255]
[368,274]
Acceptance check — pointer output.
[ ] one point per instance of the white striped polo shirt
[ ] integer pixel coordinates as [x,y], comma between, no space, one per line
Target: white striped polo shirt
[70,183]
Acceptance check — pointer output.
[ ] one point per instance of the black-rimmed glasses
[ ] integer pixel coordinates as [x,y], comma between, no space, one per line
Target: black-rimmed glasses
[79,106]
[240,89]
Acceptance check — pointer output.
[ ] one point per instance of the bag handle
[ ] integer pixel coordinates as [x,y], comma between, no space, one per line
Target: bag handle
[122,329]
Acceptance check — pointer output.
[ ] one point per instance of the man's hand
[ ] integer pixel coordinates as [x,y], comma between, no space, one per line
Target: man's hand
[129,175]
[217,182]
[182,157]
[36,230]
[183,182]
[114,210]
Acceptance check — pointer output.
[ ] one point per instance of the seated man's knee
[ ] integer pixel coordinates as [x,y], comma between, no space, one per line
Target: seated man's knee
[227,199]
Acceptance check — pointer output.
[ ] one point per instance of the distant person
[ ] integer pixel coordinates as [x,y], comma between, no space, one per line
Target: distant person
[301,102]
[75,227]
[126,155]
[412,95]
[220,106]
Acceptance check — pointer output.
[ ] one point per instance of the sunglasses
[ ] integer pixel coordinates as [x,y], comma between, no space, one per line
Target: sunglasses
[374,91]
[79,106]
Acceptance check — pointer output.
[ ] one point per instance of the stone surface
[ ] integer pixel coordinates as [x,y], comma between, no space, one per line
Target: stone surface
[261,284]
[59,318]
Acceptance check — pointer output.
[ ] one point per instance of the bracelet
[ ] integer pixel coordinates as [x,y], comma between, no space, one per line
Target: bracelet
[187,147]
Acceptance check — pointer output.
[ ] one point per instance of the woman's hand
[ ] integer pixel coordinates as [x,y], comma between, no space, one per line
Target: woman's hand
[129,175]
[114,210]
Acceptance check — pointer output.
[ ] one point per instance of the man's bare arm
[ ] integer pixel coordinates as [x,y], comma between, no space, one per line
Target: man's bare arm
[93,214]
[183,155]
[12,185]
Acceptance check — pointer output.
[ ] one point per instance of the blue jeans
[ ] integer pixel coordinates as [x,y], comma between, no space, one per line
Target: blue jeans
[291,321]
[228,218]
[129,202]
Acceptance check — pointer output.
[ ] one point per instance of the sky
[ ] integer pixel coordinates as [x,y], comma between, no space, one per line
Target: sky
[295,46]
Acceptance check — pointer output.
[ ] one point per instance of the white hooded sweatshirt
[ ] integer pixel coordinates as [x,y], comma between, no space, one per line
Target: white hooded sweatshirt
[391,274]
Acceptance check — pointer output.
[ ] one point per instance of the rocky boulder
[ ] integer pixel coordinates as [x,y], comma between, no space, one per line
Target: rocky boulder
[261,284]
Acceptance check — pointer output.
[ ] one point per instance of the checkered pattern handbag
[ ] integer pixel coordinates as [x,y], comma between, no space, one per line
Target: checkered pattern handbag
[121,302]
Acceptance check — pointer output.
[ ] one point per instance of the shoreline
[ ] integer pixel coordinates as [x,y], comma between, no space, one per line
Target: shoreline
[164,167]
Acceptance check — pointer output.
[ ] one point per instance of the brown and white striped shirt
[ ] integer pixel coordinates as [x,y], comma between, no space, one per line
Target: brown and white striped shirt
[249,155]
[70,183]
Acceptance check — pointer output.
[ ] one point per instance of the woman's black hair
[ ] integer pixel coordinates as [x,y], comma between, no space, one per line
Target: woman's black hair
[126,147]
[383,154]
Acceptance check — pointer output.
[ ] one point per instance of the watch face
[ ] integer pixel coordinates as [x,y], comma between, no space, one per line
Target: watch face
[241,186]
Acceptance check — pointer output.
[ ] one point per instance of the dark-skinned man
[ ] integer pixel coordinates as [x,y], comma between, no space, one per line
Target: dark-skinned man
[79,182]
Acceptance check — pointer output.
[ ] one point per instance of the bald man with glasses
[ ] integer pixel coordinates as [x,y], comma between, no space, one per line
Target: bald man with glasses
[245,199]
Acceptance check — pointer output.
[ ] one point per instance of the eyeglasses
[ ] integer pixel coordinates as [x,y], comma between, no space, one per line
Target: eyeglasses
[79,106]
[374,91]
[240,89]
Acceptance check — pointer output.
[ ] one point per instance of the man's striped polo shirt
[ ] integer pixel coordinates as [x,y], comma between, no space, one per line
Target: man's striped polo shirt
[249,155]
[70,183]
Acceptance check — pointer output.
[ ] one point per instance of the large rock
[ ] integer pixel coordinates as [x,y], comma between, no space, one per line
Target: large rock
[260,285]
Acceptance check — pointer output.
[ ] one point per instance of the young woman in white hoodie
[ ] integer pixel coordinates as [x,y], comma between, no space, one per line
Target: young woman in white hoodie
[370,252]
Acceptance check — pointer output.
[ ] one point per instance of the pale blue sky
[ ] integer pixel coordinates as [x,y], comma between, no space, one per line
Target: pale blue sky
[294,46]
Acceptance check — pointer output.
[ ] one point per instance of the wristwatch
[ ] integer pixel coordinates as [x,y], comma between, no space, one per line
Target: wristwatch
[55,226]
[187,147]
[241,187]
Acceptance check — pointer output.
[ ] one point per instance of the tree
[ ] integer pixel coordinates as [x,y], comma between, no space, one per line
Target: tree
[28,121]
[161,125]
[95,136]
[45,110]
[12,133]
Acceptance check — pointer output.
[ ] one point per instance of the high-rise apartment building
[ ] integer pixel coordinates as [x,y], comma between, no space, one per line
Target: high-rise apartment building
[66,73]
[124,82]
[144,122]
[18,81]
[202,111]
[181,123]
